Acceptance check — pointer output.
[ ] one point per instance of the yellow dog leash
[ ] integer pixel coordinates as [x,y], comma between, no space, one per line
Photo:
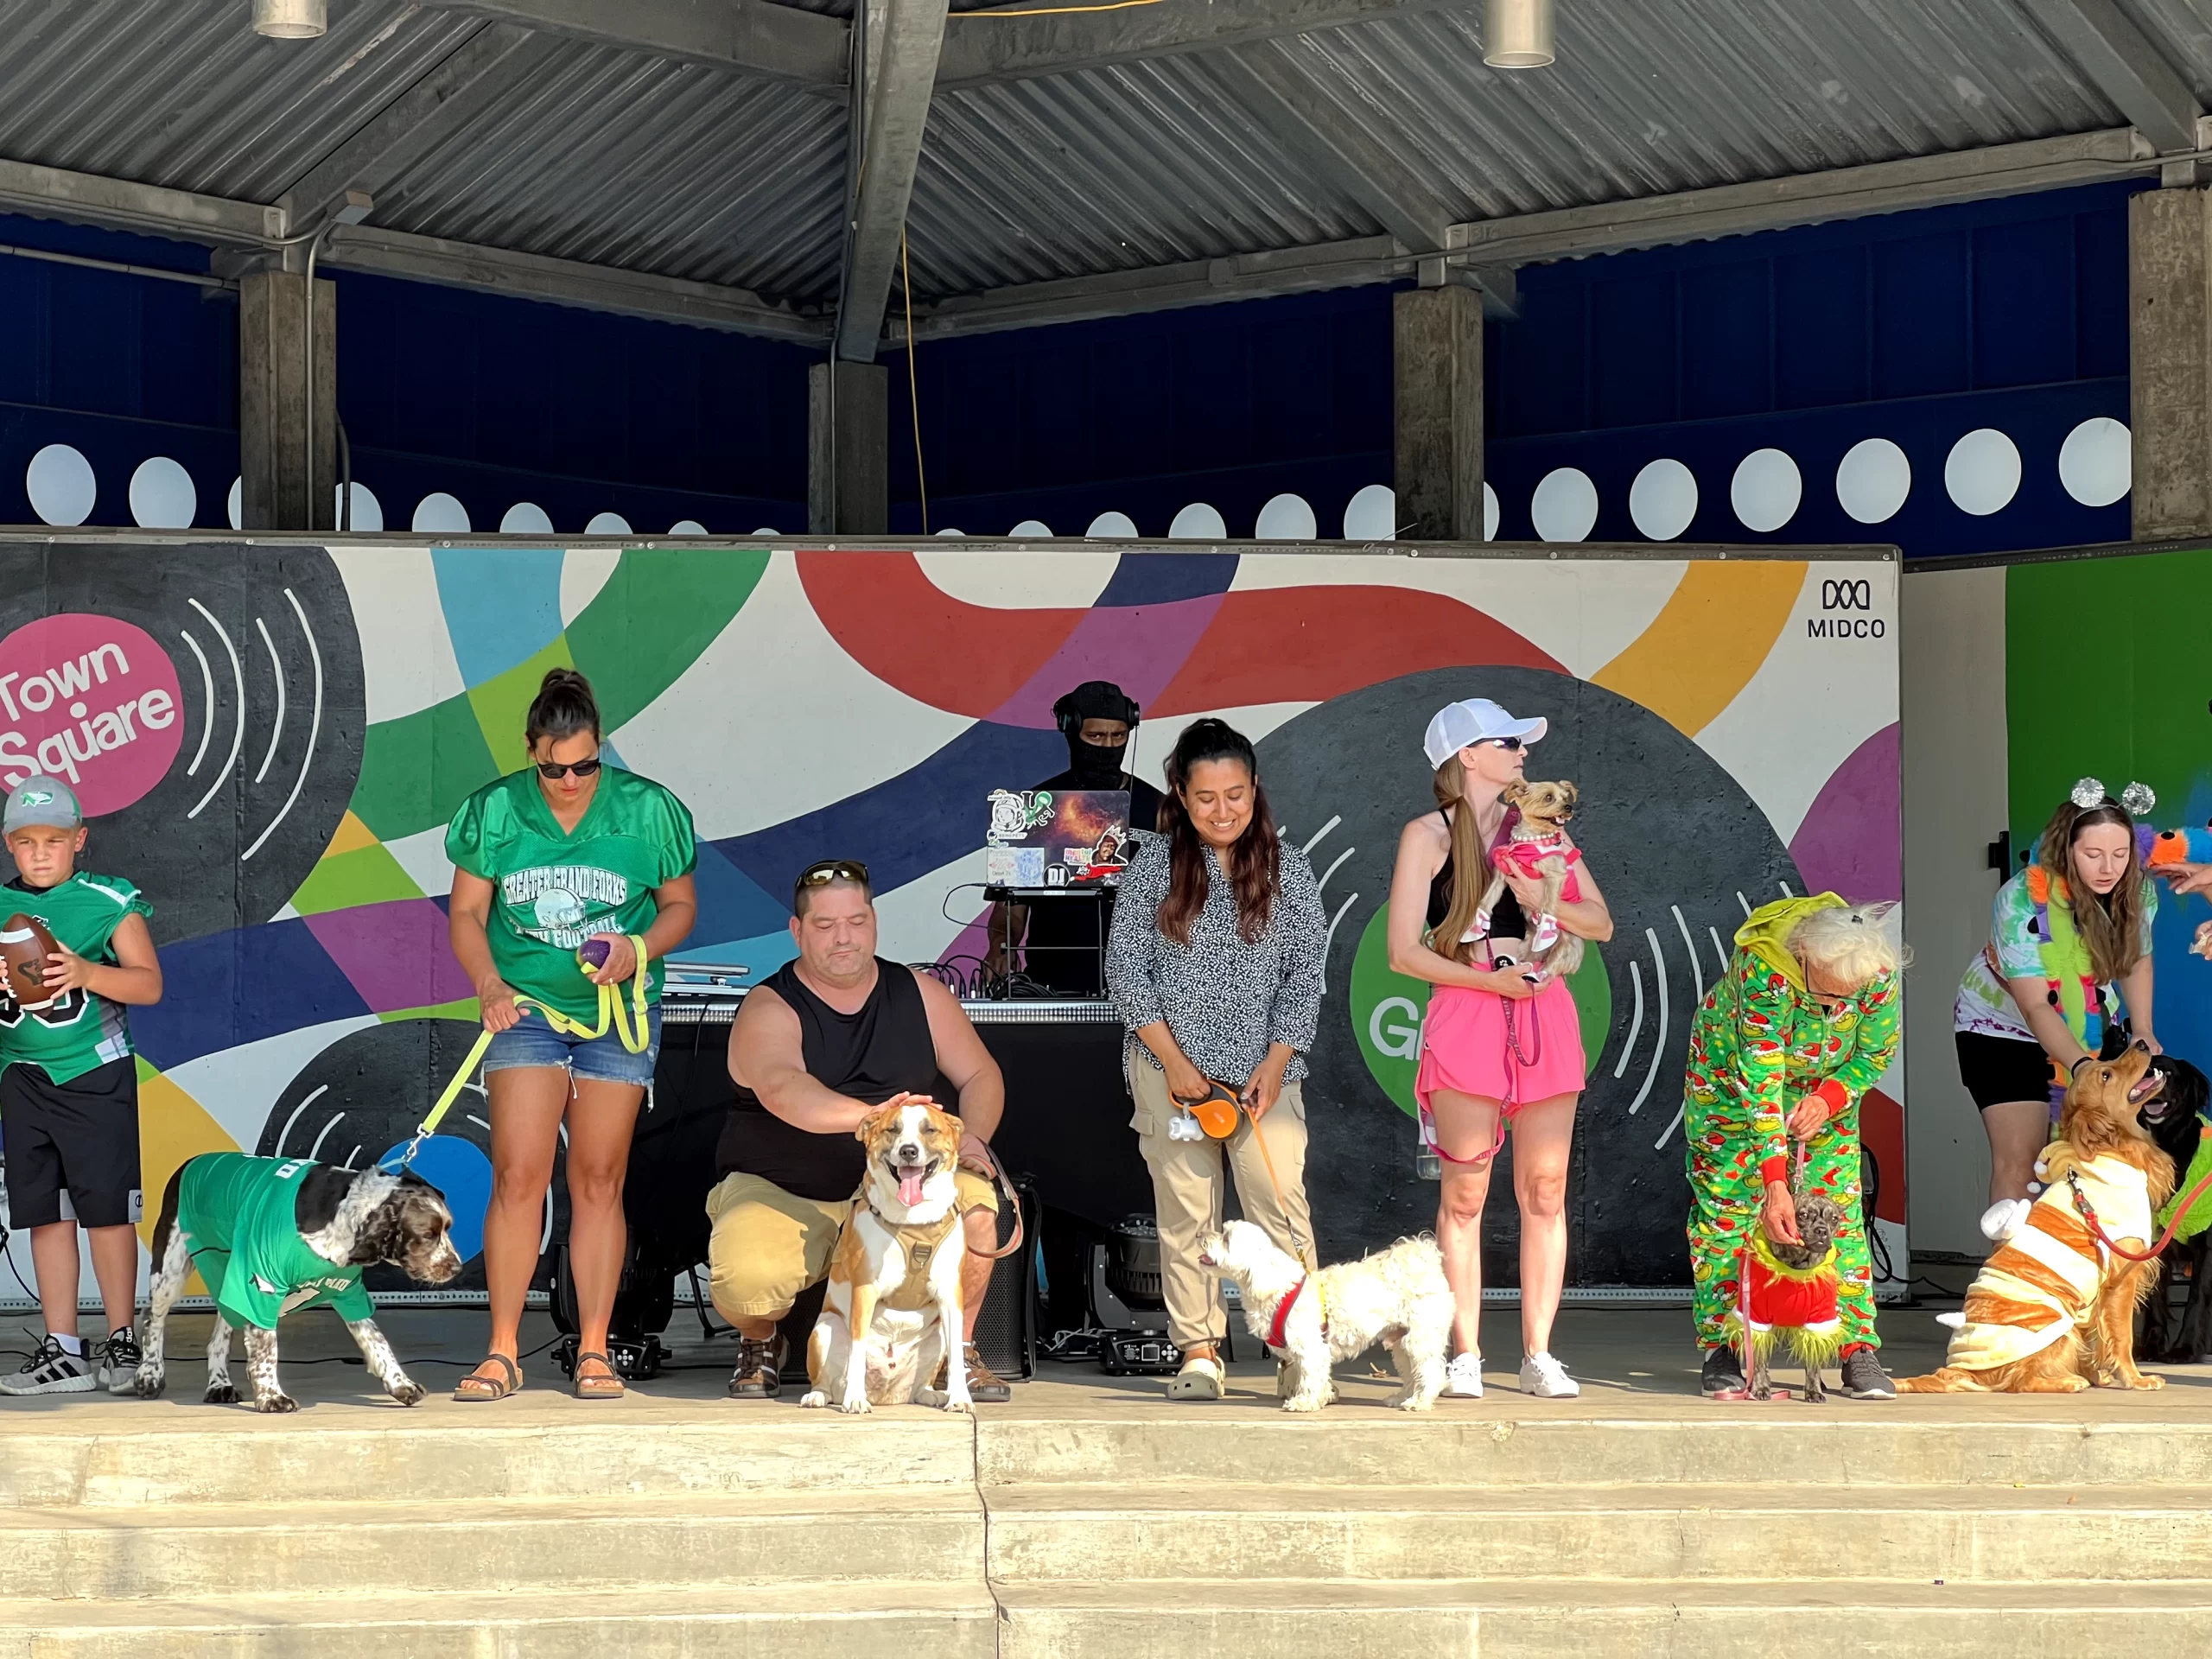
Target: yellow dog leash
[632,1025]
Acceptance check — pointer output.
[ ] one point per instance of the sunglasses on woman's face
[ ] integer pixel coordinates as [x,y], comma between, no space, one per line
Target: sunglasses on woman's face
[835,869]
[1510,745]
[555,769]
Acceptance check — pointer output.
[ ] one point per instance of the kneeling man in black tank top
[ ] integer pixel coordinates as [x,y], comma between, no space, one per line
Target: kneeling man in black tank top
[818,1047]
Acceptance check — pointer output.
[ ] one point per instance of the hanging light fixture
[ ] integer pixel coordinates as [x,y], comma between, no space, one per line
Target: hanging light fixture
[293,20]
[1518,35]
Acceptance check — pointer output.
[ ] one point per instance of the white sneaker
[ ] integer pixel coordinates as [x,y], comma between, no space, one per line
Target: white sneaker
[1463,1377]
[2004,1218]
[51,1370]
[1546,1378]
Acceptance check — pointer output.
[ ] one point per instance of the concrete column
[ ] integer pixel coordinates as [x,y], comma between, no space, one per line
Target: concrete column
[1437,358]
[273,424]
[848,449]
[2170,362]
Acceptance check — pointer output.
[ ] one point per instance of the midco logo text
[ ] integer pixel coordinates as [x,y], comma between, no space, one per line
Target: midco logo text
[1846,595]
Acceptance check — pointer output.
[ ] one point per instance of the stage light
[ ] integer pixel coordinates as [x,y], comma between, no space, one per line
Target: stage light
[291,20]
[1517,34]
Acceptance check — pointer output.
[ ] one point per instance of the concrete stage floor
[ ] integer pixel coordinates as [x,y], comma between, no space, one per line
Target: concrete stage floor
[1633,1363]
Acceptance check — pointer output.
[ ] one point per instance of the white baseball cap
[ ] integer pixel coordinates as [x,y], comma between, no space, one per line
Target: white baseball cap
[1460,725]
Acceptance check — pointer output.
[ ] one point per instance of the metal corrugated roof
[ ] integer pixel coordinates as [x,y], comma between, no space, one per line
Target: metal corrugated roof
[614,157]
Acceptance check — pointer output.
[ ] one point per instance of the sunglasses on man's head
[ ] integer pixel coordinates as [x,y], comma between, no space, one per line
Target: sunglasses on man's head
[560,769]
[835,869]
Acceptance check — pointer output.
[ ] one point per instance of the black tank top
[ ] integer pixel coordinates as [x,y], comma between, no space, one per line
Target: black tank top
[1506,921]
[882,1049]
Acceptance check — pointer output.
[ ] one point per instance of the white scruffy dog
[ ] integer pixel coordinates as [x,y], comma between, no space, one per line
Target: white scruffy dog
[1396,1297]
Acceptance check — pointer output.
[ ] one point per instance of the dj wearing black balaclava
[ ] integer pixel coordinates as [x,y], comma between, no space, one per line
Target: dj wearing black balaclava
[1098,720]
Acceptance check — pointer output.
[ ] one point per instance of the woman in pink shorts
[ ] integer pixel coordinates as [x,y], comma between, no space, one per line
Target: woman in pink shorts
[1496,1048]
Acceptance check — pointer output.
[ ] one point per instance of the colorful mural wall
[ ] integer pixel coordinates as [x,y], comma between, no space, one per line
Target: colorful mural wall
[307,717]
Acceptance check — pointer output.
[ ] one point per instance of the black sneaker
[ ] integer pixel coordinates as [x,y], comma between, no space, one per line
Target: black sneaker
[120,1357]
[757,1373]
[51,1370]
[1723,1373]
[1864,1377]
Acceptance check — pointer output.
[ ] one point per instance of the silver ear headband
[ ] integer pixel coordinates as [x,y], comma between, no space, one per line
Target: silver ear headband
[2137,799]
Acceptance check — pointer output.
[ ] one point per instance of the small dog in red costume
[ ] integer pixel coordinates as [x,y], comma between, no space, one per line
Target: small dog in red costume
[1537,846]
[1788,1295]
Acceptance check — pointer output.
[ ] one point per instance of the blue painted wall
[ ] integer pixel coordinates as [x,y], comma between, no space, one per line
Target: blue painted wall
[494,401]
[1918,327]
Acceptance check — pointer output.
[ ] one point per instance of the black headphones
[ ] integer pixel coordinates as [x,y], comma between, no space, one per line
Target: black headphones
[1070,722]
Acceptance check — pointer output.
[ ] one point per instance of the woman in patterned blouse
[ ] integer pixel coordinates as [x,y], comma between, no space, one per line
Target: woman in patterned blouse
[1215,960]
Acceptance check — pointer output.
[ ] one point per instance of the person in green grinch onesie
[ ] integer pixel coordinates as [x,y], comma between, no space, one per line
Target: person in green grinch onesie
[1785,1046]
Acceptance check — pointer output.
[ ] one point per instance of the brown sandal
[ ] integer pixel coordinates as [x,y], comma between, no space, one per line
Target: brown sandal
[489,1389]
[609,1386]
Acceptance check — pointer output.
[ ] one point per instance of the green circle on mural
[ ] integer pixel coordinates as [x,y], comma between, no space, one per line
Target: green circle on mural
[1387,1009]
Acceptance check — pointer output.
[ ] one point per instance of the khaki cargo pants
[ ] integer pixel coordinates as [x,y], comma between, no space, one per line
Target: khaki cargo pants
[1187,1192]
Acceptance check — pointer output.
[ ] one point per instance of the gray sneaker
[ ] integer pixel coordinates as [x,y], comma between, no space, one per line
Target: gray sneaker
[1864,1377]
[51,1370]
[119,1359]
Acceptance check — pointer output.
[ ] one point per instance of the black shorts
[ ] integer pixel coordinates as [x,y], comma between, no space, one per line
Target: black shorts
[82,1136]
[1996,1070]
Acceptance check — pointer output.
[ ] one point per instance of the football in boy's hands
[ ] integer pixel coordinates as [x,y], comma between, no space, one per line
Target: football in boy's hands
[24,947]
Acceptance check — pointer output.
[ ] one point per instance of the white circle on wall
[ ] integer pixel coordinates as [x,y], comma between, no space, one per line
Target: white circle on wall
[1565,505]
[162,496]
[2096,461]
[1372,515]
[1982,472]
[952,535]
[1031,527]
[768,530]
[608,523]
[1872,481]
[1113,526]
[440,514]
[687,527]
[368,512]
[1198,522]
[1766,490]
[526,519]
[1663,499]
[1286,518]
[236,505]
[61,484]
[1490,511]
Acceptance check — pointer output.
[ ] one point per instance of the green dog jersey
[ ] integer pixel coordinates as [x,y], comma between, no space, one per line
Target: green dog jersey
[239,1213]
[81,1031]
[555,891]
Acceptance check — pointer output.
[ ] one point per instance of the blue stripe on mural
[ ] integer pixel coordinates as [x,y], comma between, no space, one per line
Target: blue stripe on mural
[1156,578]
[272,979]
[506,601]
[732,905]
[911,824]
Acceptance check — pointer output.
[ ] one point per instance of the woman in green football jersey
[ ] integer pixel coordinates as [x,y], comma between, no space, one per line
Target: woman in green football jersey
[563,854]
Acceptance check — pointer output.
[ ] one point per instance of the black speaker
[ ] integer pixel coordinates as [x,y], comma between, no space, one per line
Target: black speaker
[643,1300]
[1006,1329]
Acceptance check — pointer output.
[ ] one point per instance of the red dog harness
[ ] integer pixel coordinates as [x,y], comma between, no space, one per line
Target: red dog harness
[1282,1320]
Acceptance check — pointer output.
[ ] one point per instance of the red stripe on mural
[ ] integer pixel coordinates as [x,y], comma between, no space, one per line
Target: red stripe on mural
[1276,645]
[893,620]
[1881,1127]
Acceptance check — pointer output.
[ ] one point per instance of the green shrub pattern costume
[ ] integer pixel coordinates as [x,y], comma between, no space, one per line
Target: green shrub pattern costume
[1760,1043]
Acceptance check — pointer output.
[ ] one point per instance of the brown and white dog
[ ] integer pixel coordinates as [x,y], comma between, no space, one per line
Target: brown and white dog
[890,1310]
[2053,1310]
[1538,848]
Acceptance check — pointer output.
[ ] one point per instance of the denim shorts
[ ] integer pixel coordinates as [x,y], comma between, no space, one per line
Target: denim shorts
[530,1041]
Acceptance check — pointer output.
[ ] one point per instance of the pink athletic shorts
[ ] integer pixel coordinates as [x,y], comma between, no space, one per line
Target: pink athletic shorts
[1464,1048]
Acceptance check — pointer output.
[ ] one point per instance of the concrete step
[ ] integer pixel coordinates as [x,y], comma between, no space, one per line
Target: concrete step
[832,1539]
[1541,1619]
[887,1620]
[1915,1443]
[1677,1533]
[131,1455]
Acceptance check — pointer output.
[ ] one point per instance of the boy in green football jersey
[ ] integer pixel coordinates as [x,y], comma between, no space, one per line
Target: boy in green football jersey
[69,1088]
